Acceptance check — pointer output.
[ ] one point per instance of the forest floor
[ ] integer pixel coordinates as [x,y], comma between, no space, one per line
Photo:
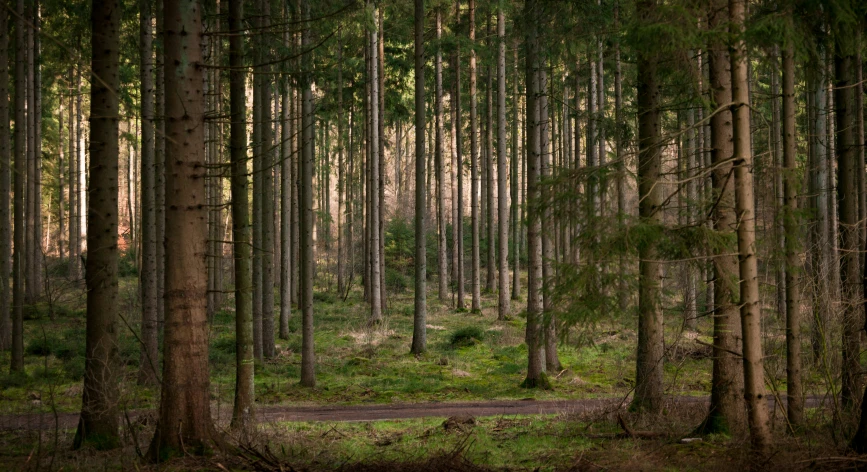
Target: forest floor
[375,404]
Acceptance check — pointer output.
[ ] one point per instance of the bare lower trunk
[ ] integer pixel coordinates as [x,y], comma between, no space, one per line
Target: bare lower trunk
[534,335]
[149,356]
[442,250]
[17,355]
[242,412]
[474,168]
[648,377]
[726,414]
[459,169]
[6,187]
[184,425]
[847,196]
[308,360]
[375,177]
[419,329]
[754,385]
[502,209]
[98,424]
[794,385]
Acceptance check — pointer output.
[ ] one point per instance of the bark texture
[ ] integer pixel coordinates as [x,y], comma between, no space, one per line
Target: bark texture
[98,425]
[184,425]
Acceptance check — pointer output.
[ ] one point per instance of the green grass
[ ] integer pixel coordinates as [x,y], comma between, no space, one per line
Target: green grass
[469,357]
[515,442]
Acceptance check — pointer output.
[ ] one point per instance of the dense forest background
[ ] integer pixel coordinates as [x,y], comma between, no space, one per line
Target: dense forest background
[636,199]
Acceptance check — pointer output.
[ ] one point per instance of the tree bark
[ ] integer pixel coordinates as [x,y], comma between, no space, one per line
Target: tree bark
[184,425]
[754,380]
[98,425]
[552,361]
[419,338]
[726,414]
[489,173]
[847,196]
[6,186]
[375,177]
[267,202]
[474,166]
[308,361]
[243,410]
[795,389]
[503,308]
[149,355]
[442,250]
[17,357]
[534,333]
[517,166]
[459,166]
[649,369]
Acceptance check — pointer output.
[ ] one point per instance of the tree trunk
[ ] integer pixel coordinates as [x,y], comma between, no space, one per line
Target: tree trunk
[17,357]
[474,166]
[242,412]
[442,250]
[160,162]
[552,361]
[267,202]
[98,425]
[535,335]
[259,82]
[74,245]
[459,166]
[341,177]
[516,168]
[620,146]
[754,380]
[6,186]
[375,177]
[184,424]
[847,196]
[149,355]
[648,377]
[726,414]
[795,392]
[419,328]
[305,206]
[503,308]
[489,173]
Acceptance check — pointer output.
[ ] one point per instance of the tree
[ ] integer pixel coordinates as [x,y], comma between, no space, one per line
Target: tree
[242,412]
[418,331]
[5,186]
[376,300]
[474,167]
[308,360]
[535,335]
[794,387]
[17,358]
[648,376]
[184,425]
[442,250]
[502,208]
[459,166]
[98,424]
[726,414]
[149,358]
[847,196]
[754,380]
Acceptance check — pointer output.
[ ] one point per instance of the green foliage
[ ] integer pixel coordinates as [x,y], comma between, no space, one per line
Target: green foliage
[395,281]
[467,336]
[127,265]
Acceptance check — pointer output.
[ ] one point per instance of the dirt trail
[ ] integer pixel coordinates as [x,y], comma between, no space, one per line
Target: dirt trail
[276,413]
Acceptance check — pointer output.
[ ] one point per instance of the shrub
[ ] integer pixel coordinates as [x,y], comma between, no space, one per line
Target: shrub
[41,345]
[467,336]
[395,281]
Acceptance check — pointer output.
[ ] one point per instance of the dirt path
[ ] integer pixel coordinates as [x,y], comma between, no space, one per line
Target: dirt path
[270,414]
